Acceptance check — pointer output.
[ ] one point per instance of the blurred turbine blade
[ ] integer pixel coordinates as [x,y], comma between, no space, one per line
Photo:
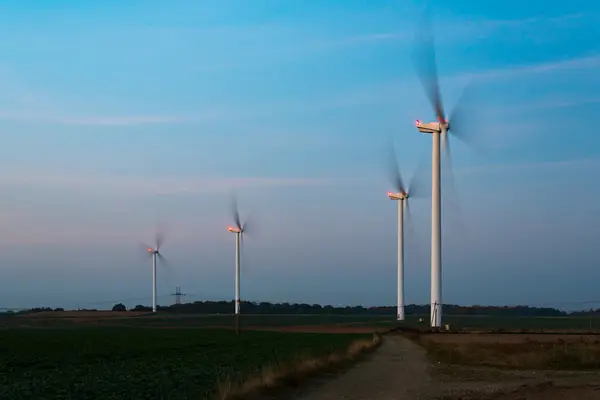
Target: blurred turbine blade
[248,222]
[393,168]
[412,246]
[447,172]
[242,252]
[445,147]
[159,240]
[164,262]
[425,63]
[406,212]
[408,219]
[464,122]
[418,187]
[160,235]
[165,266]
[235,211]
[450,199]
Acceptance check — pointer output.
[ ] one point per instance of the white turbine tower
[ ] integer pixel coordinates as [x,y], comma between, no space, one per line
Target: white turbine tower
[401,194]
[402,197]
[155,254]
[239,229]
[427,70]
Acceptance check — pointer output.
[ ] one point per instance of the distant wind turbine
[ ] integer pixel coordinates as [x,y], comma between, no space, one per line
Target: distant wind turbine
[155,254]
[239,229]
[401,194]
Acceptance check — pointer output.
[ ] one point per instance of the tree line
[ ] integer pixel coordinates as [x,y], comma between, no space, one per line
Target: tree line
[226,307]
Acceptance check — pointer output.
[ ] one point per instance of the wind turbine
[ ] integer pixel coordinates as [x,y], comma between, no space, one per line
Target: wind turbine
[400,194]
[239,229]
[439,130]
[155,254]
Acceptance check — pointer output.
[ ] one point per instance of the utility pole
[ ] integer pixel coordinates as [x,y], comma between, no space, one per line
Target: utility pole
[178,295]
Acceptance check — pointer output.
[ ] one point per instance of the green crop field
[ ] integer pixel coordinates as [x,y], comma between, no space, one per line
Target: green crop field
[59,319]
[257,320]
[139,363]
[71,319]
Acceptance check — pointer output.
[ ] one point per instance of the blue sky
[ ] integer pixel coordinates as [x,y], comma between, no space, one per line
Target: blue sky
[116,116]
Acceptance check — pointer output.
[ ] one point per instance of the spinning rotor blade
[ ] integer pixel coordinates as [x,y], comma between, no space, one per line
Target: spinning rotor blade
[411,239]
[447,171]
[241,244]
[450,197]
[249,222]
[163,261]
[408,217]
[463,119]
[465,125]
[245,226]
[159,239]
[394,170]
[243,260]
[407,213]
[160,234]
[165,266]
[417,187]
[236,213]
[426,66]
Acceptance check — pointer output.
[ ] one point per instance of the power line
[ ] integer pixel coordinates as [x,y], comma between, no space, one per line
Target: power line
[178,295]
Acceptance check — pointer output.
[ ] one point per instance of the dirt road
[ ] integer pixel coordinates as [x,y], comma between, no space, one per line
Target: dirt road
[400,370]
[397,371]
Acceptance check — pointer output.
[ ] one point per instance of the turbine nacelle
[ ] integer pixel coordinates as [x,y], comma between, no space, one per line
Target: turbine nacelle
[152,251]
[234,230]
[398,196]
[432,127]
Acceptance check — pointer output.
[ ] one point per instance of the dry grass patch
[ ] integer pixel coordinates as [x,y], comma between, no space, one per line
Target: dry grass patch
[278,376]
[551,392]
[558,352]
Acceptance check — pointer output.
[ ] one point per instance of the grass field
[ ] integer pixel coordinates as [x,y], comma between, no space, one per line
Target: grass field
[519,351]
[124,362]
[114,355]
[524,323]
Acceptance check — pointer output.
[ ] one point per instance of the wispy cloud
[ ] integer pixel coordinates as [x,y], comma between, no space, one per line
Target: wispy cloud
[546,104]
[21,103]
[106,120]
[586,162]
[465,29]
[37,107]
[482,28]
[578,63]
[370,38]
[161,186]
[393,90]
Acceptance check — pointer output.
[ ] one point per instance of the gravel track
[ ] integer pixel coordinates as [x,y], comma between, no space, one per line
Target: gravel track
[398,370]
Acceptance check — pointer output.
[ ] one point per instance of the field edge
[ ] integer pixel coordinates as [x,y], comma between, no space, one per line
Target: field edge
[278,377]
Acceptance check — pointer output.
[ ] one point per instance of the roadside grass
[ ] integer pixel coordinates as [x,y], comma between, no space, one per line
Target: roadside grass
[515,351]
[273,377]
